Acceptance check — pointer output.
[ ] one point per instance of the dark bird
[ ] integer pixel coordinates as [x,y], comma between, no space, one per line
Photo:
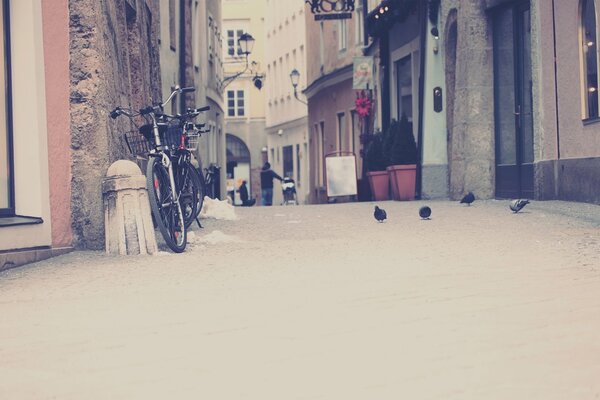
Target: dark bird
[468,199]
[425,212]
[517,205]
[379,214]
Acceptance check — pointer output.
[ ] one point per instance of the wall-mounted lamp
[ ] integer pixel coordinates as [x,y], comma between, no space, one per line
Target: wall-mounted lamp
[295,78]
[436,36]
[246,44]
[257,79]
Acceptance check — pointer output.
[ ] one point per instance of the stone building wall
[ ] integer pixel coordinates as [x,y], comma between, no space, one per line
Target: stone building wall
[470,97]
[114,61]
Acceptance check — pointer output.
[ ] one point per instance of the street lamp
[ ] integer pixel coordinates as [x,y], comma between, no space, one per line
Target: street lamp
[295,78]
[246,44]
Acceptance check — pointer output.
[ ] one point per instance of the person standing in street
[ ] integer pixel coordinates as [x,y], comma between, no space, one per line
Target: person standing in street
[243,191]
[266,184]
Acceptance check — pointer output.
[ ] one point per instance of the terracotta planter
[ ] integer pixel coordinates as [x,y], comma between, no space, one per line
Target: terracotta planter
[403,179]
[379,182]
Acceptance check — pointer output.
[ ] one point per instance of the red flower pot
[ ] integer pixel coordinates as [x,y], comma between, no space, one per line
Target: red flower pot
[379,182]
[403,179]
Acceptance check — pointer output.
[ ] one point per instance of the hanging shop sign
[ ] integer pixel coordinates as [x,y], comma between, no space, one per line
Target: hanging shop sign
[362,73]
[331,9]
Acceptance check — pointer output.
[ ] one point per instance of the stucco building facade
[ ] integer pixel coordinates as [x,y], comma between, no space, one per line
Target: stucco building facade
[520,84]
[34,134]
[286,115]
[331,46]
[191,56]
[244,101]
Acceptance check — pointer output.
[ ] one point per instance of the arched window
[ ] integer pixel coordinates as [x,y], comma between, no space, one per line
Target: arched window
[589,46]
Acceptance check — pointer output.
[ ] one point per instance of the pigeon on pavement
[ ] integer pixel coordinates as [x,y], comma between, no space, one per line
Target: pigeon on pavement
[425,212]
[517,205]
[379,214]
[468,199]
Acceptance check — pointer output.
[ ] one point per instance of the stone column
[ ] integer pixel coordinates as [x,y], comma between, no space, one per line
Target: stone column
[128,224]
[472,157]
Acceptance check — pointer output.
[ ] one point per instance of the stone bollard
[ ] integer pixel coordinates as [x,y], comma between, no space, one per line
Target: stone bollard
[127,220]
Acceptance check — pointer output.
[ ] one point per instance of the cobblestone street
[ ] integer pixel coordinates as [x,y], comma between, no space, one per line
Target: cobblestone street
[320,302]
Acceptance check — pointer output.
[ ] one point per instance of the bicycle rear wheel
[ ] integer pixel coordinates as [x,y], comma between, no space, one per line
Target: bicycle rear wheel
[192,194]
[164,209]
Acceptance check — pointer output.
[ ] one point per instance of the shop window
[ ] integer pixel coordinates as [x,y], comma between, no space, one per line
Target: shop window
[589,39]
[7,206]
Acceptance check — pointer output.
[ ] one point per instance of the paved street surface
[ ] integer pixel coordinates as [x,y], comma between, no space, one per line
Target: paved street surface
[321,302]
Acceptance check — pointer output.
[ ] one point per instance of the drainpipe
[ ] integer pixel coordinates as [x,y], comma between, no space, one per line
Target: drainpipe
[384,53]
[556,82]
[423,10]
[182,81]
[556,165]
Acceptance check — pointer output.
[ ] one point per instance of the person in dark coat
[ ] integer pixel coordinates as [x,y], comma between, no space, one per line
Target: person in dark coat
[266,184]
[243,191]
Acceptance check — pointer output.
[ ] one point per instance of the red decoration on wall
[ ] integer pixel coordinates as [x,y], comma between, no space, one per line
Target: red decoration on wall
[363,104]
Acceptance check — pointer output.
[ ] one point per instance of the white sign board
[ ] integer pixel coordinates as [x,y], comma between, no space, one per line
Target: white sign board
[341,176]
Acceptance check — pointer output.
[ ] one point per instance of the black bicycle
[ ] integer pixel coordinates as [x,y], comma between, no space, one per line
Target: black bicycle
[174,188]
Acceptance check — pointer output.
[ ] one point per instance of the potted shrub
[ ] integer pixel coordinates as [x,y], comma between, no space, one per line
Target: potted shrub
[376,168]
[401,154]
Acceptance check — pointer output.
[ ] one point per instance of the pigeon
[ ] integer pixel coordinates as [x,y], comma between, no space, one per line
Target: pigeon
[517,205]
[379,214]
[425,212]
[468,199]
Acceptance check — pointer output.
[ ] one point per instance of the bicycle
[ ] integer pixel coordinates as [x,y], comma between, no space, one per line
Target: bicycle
[174,190]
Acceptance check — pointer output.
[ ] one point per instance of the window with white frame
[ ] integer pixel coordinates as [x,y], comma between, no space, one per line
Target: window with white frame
[233,47]
[589,46]
[342,35]
[359,27]
[235,103]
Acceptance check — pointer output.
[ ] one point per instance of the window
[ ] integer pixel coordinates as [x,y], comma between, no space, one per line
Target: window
[589,57]
[321,45]
[7,206]
[288,161]
[172,25]
[320,146]
[356,141]
[235,103]
[233,48]
[359,28]
[342,136]
[211,38]
[298,164]
[342,35]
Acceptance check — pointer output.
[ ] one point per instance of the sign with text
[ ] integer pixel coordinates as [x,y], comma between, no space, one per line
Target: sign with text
[363,73]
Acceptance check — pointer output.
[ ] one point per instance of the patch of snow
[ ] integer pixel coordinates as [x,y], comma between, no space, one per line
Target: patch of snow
[216,237]
[217,209]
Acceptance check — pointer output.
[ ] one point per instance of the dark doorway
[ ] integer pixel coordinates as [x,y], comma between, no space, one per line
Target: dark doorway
[513,101]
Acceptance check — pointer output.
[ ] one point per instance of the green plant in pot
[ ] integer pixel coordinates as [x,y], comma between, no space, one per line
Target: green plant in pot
[401,154]
[376,167]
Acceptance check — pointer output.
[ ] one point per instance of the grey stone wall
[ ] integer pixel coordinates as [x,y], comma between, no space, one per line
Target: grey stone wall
[114,61]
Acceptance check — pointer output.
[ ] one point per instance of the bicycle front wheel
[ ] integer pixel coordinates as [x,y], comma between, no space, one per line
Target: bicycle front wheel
[165,209]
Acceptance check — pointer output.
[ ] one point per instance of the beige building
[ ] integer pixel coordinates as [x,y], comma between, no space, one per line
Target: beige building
[244,101]
[191,55]
[286,114]
[334,123]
